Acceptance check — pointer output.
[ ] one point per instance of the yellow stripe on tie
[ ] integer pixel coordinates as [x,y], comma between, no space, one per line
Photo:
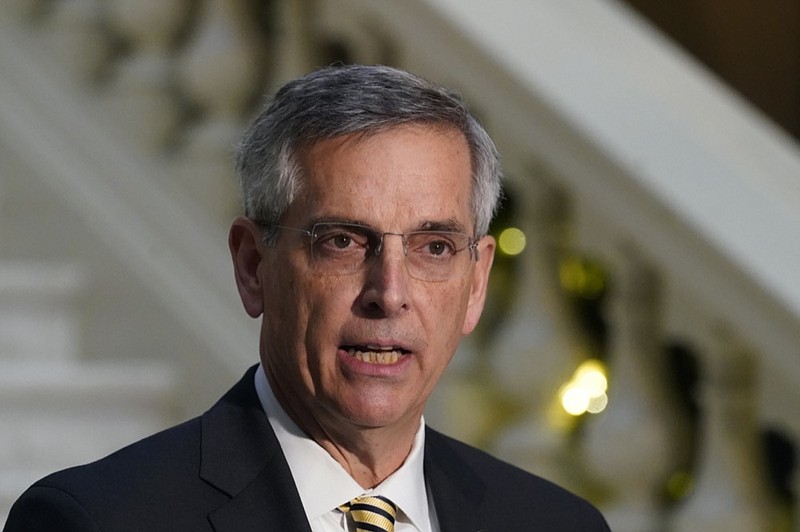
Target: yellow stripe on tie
[371,514]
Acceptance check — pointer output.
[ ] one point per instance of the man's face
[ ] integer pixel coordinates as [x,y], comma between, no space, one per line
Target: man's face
[404,179]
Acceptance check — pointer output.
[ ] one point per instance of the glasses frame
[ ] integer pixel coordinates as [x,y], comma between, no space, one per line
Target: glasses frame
[472,243]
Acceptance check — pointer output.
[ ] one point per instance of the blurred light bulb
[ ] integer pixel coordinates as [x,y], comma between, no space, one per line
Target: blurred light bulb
[575,400]
[511,241]
[591,376]
[597,404]
[586,391]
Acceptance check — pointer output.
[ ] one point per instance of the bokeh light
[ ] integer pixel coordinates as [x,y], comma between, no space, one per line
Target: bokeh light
[511,241]
[591,376]
[582,277]
[575,400]
[586,391]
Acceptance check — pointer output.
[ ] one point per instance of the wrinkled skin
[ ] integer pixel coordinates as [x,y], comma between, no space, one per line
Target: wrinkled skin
[365,414]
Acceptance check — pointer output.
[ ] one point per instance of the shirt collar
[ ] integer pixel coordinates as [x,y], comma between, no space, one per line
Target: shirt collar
[323,484]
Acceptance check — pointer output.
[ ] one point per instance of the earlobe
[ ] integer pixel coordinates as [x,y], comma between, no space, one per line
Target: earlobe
[480,281]
[244,242]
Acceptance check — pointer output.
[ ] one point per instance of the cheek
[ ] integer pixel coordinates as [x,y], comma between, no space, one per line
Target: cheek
[303,314]
[447,316]
[284,309]
[329,304]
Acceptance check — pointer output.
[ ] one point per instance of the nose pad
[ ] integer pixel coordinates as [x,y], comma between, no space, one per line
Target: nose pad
[379,245]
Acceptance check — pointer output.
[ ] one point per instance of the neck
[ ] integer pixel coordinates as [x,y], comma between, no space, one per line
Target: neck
[368,454]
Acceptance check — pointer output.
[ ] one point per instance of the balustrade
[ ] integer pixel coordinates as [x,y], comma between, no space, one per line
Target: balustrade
[294,40]
[540,344]
[638,441]
[731,492]
[221,68]
[143,90]
[465,403]
[355,37]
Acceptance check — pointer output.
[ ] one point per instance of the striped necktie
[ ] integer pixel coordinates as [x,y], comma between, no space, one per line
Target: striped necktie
[371,514]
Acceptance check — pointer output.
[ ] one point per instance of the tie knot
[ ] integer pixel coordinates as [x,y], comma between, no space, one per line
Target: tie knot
[371,514]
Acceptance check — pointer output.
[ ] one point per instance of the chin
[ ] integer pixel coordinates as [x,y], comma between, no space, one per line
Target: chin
[374,414]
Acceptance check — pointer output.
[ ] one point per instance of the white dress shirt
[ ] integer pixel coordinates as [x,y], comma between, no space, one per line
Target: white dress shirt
[324,484]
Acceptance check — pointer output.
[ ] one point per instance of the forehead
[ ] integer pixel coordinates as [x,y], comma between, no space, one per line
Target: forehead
[396,179]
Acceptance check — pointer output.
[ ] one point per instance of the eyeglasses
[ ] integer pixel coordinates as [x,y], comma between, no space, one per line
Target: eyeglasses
[343,249]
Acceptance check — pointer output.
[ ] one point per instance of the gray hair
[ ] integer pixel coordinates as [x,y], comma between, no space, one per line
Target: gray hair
[336,101]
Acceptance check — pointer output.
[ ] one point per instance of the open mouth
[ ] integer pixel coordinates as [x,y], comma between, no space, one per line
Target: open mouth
[374,354]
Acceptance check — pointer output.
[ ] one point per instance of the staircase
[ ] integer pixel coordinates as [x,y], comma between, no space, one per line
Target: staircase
[118,312]
[57,409]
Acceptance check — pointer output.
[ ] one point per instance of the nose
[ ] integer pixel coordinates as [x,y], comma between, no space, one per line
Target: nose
[386,281]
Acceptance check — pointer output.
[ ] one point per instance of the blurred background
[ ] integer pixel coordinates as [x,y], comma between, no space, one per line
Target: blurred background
[642,341]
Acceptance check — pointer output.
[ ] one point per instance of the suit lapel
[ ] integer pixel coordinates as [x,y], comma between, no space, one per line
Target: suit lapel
[242,457]
[264,506]
[457,492]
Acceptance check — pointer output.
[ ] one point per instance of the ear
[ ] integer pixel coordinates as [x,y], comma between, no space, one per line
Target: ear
[480,281]
[247,252]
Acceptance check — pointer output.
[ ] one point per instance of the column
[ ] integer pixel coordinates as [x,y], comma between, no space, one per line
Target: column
[221,69]
[636,443]
[731,493]
[143,91]
[539,346]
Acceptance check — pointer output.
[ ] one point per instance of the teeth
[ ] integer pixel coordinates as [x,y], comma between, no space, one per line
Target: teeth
[377,355]
[379,348]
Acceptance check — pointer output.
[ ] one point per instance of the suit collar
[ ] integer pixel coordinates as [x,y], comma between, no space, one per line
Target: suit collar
[242,458]
[457,492]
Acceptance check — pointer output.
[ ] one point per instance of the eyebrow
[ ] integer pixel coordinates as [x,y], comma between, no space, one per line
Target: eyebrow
[449,225]
[336,220]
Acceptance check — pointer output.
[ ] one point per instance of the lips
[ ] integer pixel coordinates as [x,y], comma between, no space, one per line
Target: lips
[375,354]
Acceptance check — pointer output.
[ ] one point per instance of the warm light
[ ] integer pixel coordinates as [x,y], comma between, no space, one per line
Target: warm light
[572,274]
[575,400]
[591,376]
[582,277]
[586,391]
[597,404]
[511,241]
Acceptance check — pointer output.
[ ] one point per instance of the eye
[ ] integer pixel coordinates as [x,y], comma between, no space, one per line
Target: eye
[432,245]
[439,247]
[341,241]
[338,238]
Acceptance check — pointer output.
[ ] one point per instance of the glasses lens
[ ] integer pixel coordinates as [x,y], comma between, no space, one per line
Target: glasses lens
[338,248]
[436,255]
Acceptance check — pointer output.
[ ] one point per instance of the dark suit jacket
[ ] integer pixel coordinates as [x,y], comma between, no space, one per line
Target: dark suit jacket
[225,471]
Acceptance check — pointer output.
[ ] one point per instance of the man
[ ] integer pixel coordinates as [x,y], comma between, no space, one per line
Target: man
[368,194]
